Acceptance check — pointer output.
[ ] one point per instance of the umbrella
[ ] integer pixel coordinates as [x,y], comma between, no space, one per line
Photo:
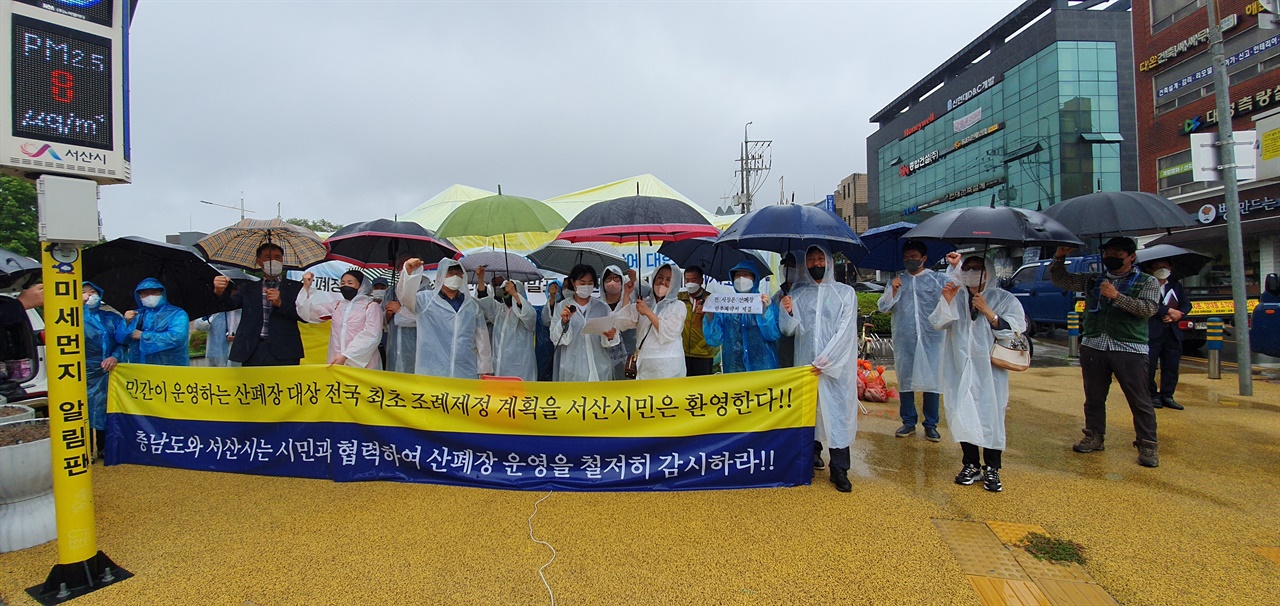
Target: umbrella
[714,259]
[1185,262]
[238,244]
[376,244]
[500,215]
[884,245]
[119,265]
[15,267]
[792,227]
[638,217]
[560,257]
[514,267]
[1002,225]
[1118,212]
[236,274]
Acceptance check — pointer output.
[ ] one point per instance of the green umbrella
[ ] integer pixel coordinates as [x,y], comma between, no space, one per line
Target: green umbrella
[498,216]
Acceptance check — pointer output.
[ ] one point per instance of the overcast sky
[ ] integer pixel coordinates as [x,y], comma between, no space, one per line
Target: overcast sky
[355,110]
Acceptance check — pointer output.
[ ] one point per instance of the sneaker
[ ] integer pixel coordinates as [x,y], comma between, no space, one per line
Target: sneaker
[991,480]
[1170,403]
[932,434]
[1091,442]
[840,478]
[905,431]
[1148,453]
[969,475]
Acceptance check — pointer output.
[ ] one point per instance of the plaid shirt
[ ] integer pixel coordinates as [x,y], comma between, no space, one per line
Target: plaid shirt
[1142,306]
[267,307]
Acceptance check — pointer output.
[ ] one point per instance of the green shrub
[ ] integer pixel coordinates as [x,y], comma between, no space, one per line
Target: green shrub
[197,344]
[867,312]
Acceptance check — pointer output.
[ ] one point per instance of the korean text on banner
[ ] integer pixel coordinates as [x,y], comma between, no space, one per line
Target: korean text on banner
[734,303]
[350,424]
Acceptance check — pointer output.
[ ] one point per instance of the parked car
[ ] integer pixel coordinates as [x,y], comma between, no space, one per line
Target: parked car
[1046,305]
[39,386]
[28,335]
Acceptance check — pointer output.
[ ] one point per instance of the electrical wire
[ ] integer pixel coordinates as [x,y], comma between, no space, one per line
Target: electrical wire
[553,549]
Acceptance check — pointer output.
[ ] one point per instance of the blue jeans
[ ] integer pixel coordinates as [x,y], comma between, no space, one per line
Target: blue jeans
[907,410]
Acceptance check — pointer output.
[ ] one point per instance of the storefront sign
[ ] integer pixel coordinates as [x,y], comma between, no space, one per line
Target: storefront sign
[1185,45]
[1209,214]
[971,93]
[919,163]
[917,128]
[978,135]
[955,195]
[1175,170]
[1255,101]
[963,124]
[1252,51]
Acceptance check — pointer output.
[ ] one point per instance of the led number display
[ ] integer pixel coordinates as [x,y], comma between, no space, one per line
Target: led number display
[93,11]
[61,84]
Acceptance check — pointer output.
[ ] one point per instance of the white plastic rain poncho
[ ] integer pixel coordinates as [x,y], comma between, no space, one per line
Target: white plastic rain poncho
[356,325]
[824,320]
[402,331]
[220,326]
[917,345]
[581,357]
[450,343]
[622,350]
[165,331]
[513,334]
[747,341]
[661,349]
[975,392]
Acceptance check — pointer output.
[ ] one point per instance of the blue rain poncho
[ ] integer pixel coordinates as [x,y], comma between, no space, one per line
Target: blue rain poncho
[746,341]
[660,350]
[514,334]
[824,320]
[975,392]
[165,331]
[917,346]
[450,343]
[581,357]
[101,330]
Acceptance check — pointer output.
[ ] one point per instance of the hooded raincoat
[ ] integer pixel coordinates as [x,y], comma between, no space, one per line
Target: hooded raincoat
[581,357]
[355,326]
[220,326]
[165,331]
[917,345]
[824,320]
[450,343]
[622,350]
[975,392]
[514,334]
[402,331]
[660,349]
[746,341]
[101,341]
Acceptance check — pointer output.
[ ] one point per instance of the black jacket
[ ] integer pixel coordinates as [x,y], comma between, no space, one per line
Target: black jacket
[1156,326]
[283,335]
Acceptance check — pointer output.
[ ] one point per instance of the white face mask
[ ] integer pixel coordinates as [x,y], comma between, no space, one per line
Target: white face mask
[971,277]
[151,301]
[454,282]
[1162,274]
[692,287]
[378,295]
[92,301]
[583,291]
[743,284]
[272,268]
[661,291]
[613,288]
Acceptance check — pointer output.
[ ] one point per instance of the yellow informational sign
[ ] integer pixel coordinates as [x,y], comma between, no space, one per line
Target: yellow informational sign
[68,404]
[1271,145]
[1202,308]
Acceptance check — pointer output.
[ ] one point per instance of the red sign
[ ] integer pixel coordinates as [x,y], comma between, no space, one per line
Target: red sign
[915,129]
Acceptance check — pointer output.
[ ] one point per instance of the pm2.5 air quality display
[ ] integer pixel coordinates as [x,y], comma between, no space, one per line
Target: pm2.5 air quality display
[61,84]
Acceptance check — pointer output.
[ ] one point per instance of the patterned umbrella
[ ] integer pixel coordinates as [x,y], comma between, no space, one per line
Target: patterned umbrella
[238,244]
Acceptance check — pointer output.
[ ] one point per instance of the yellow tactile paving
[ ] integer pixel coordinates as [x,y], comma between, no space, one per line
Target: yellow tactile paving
[1070,593]
[1011,532]
[978,550]
[1041,569]
[1270,553]
[1005,592]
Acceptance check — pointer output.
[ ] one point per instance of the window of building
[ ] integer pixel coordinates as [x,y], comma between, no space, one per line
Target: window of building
[1174,175]
[1251,53]
[1167,12]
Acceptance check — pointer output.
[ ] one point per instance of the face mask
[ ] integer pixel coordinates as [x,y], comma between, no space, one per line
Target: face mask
[661,291]
[583,291]
[92,301]
[454,282]
[913,265]
[1112,263]
[378,295]
[692,287]
[272,268]
[1161,274]
[743,284]
[817,273]
[971,277]
[348,292]
[151,301]
[613,288]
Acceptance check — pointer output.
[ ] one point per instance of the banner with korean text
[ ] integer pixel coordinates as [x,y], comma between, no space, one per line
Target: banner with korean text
[746,430]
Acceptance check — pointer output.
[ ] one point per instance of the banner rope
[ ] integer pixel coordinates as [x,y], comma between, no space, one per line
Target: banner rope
[553,549]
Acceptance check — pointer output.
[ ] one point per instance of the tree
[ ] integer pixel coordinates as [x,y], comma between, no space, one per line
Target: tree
[18,217]
[316,225]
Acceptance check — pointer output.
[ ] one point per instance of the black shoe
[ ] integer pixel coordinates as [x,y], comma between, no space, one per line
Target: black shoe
[932,434]
[905,431]
[840,477]
[1170,403]
[969,475]
[1157,403]
[817,461]
[991,480]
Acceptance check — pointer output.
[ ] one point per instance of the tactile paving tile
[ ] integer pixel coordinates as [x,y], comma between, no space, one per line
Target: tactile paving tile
[1004,592]
[1270,553]
[979,551]
[1011,533]
[1071,593]
[1041,569]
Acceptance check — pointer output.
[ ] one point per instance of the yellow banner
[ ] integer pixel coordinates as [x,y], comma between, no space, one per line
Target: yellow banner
[736,403]
[1202,308]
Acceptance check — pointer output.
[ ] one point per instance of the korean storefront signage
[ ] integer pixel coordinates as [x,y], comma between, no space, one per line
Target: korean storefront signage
[963,124]
[1243,55]
[1255,101]
[955,195]
[1183,46]
[1209,214]
[971,93]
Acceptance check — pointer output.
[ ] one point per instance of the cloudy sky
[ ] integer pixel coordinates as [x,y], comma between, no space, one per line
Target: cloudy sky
[354,110]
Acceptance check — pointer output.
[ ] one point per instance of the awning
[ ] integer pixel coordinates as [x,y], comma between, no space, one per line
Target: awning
[1253,227]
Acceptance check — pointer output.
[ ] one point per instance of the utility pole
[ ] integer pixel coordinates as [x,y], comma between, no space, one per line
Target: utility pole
[755,159]
[1231,197]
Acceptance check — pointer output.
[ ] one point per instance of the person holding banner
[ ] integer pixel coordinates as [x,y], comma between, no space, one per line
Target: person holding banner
[156,331]
[581,355]
[909,300]
[453,339]
[823,316]
[746,341]
[659,323]
[102,351]
[514,321]
[356,320]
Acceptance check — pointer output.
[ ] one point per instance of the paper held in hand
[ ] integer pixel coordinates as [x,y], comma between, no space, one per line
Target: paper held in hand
[733,303]
[598,326]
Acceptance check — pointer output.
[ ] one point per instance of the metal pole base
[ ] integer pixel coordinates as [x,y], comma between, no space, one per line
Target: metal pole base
[1215,364]
[70,581]
[1073,347]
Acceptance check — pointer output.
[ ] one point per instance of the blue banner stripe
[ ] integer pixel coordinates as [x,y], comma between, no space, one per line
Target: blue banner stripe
[348,452]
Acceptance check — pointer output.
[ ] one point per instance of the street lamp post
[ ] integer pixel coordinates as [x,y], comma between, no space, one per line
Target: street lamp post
[239,208]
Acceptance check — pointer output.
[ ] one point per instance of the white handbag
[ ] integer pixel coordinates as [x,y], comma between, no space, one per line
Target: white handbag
[1011,354]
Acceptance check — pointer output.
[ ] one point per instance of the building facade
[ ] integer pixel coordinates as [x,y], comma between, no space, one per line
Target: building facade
[1037,110]
[851,201]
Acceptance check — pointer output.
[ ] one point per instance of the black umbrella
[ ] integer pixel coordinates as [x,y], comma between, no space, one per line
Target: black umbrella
[1118,212]
[794,227]
[643,218]
[15,268]
[1002,225]
[376,244]
[119,265]
[1183,261]
[713,259]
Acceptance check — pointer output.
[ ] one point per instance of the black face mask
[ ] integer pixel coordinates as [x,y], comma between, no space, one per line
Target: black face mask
[348,292]
[913,264]
[817,273]
[1112,264]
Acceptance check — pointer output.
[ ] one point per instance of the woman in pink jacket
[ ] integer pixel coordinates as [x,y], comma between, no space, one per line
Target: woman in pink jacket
[357,319]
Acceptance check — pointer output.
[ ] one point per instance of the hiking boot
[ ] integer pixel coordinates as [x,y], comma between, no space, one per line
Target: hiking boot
[1091,442]
[991,479]
[932,434]
[1148,453]
[905,431]
[970,474]
[840,477]
[1170,403]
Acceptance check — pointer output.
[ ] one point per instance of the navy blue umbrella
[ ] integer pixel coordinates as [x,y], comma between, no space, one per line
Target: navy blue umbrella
[715,260]
[791,227]
[885,247]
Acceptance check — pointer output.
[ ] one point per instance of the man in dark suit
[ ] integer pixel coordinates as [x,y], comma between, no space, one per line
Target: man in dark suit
[268,333]
[1165,338]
